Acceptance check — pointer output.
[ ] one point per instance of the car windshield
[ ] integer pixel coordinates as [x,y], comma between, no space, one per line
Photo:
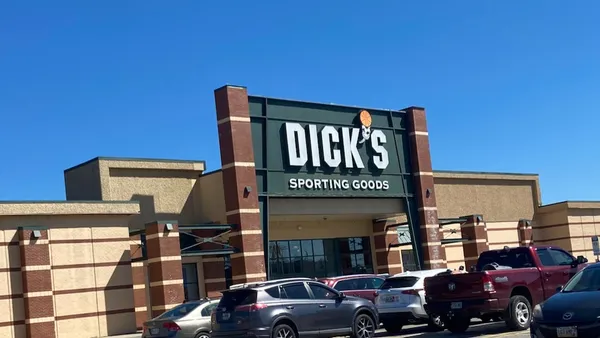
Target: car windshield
[584,280]
[179,311]
[238,297]
[513,258]
[399,282]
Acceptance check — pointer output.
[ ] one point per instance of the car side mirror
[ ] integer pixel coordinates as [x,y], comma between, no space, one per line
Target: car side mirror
[341,295]
[559,288]
[581,260]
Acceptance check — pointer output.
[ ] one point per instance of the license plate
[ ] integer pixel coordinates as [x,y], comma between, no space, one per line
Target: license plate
[154,331]
[390,299]
[226,316]
[456,305]
[569,331]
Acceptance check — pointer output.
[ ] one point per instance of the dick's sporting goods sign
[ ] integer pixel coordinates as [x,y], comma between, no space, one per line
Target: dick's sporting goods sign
[329,148]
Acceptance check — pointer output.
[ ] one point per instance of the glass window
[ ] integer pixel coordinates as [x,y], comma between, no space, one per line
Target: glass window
[295,291]
[560,257]
[208,309]
[231,299]
[377,283]
[179,311]
[321,292]
[585,280]
[408,260]
[355,255]
[344,285]
[399,282]
[273,292]
[545,257]
[191,290]
[514,258]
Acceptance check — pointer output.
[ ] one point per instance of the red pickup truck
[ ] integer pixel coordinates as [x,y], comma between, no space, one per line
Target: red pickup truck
[505,283]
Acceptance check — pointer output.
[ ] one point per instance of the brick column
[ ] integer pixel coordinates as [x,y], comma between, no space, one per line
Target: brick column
[214,275]
[388,258]
[164,266]
[37,282]
[241,204]
[139,280]
[431,251]
[525,232]
[475,231]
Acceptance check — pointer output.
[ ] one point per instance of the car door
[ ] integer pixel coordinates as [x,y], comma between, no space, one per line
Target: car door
[554,274]
[335,315]
[300,307]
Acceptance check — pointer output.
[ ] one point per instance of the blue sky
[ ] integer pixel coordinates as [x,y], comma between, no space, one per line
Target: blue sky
[509,86]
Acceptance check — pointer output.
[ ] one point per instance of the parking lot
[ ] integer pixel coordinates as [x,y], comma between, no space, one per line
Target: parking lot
[477,330]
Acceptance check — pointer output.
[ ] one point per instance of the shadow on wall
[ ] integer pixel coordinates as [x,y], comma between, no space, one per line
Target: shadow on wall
[119,304]
[148,212]
[16,282]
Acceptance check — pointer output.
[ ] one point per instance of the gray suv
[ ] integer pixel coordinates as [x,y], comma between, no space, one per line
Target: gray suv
[289,308]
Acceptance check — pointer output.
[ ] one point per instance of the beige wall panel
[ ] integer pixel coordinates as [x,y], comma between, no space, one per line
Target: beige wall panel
[545,234]
[11,235]
[6,331]
[18,309]
[16,282]
[5,284]
[495,199]
[281,230]
[5,311]
[456,265]
[111,252]
[70,233]
[496,246]
[454,253]
[78,328]
[209,198]
[75,303]
[72,279]
[503,236]
[14,256]
[70,254]
[19,331]
[110,232]
[502,225]
[111,325]
[110,300]
[113,276]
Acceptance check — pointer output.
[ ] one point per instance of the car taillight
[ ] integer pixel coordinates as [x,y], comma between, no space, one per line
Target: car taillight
[252,307]
[171,326]
[488,285]
[414,292]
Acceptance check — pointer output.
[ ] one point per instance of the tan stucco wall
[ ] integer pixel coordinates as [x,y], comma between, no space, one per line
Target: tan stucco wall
[498,197]
[89,256]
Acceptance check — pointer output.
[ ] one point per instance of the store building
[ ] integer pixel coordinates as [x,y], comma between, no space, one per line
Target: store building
[304,189]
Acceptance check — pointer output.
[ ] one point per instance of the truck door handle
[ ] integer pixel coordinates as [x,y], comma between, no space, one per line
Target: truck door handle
[289,307]
[547,274]
[565,272]
[321,305]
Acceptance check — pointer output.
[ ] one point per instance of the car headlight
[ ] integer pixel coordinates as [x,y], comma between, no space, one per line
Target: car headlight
[537,312]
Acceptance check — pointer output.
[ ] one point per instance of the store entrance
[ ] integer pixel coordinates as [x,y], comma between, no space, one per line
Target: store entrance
[320,257]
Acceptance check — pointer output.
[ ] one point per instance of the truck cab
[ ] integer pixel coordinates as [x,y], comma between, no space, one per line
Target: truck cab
[505,283]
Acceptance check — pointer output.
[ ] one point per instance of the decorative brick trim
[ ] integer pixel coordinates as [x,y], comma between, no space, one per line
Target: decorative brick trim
[475,231]
[235,140]
[388,258]
[164,265]
[139,281]
[525,231]
[36,277]
[432,253]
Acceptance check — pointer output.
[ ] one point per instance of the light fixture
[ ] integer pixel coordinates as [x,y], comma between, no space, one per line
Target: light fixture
[299,227]
[527,224]
[247,189]
[479,219]
[169,227]
[427,193]
[36,234]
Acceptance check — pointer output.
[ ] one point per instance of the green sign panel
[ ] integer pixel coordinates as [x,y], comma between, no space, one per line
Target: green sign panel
[316,150]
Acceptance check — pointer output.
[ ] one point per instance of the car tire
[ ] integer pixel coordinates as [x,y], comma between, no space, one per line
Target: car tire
[458,324]
[203,335]
[363,326]
[283,331]
[392,327]
[519,313]
[435,323]
[486,318]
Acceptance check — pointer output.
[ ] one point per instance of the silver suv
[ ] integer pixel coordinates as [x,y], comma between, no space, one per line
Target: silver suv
[289,308]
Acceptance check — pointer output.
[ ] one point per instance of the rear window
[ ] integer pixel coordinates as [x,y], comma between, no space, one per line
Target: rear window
[513,258]
[179,311]
[231,299]
[399,282]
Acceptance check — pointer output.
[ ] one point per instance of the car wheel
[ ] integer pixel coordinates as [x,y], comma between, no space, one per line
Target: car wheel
[519,313]
[458,324]
[392,327]
[486,318]
[363,327]
[283,331]
[203,335]
[435,323]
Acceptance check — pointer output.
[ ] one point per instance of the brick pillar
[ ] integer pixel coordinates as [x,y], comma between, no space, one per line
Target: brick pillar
[139,280]
[525,232]
[37,282]
[164,266]
[214,275]
[475,231]
[241,205]
[388,258]
[432,253]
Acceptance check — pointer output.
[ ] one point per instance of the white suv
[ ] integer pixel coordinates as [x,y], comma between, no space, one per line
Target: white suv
[400,301]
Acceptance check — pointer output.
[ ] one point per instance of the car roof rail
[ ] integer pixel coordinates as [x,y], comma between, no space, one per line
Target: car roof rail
[265,283]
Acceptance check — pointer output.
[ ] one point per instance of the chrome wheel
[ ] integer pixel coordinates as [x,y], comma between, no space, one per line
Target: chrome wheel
[204,335]
[522,313]
[365,327]
[284,332]
[437,321]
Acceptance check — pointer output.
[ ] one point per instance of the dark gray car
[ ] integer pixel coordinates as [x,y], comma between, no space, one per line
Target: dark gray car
[291,308]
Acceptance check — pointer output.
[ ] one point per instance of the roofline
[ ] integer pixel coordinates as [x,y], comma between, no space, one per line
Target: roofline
[484,173]
[135,159]
[67,202]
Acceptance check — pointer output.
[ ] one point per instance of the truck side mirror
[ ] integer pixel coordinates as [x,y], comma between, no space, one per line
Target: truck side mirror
[559,288]
[472,268]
